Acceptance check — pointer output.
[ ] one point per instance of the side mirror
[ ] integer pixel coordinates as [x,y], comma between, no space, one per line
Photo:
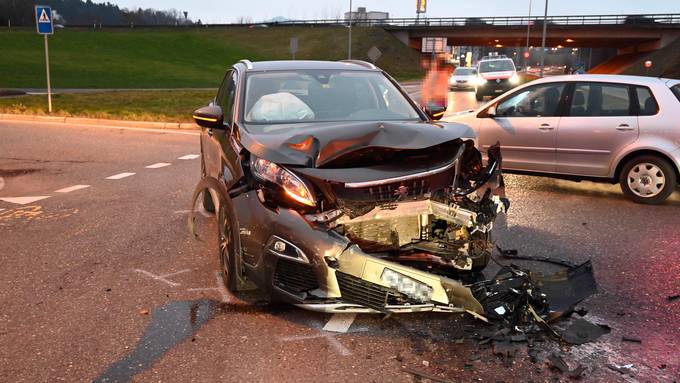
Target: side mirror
[491,112]
[210,116]
[435,112]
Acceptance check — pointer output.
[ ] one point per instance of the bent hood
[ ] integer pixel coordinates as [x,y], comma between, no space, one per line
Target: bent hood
[318,143]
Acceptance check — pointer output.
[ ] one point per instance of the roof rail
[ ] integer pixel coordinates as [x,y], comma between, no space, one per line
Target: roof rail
[247,63]
[360,62]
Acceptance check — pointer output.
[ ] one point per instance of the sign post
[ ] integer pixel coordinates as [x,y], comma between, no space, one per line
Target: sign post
[293,46]
[43,23]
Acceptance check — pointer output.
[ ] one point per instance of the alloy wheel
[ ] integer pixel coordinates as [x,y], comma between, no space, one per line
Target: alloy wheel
[225,245]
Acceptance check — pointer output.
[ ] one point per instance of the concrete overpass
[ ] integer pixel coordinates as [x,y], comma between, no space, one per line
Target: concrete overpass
[627,33]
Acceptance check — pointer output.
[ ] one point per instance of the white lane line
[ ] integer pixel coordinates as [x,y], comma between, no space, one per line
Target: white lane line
[119,176]
[340,322]
[158,165]
[222,288]
[24,200]
[330,338]
[189,157]
[72,188]
[162,278]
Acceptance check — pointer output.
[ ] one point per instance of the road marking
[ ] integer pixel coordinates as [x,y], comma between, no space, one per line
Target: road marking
[119,176]
[330,338]
[189,157]
[163,278]
[24,200]
[340,322]
[2,183]
[72,188]
[158,165]
[222,288]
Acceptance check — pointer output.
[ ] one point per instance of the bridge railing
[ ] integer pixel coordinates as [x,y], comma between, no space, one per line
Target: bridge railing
[642,19]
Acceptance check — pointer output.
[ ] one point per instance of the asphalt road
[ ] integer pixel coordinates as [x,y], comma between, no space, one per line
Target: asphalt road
[105,283]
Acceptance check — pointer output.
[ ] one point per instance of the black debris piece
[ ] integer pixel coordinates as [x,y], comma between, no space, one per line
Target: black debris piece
[672,298]
[581,331]
[504,349]
[630,339]
[556,362]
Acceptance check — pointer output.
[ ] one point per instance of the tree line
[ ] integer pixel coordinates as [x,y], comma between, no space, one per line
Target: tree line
[79,12]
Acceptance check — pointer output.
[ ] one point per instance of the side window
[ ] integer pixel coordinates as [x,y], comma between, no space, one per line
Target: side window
[647,105]
[676,91]
[225,96]
[535,101]
[600,100]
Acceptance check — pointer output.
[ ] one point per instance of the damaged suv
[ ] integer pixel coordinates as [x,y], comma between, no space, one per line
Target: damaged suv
[335,192]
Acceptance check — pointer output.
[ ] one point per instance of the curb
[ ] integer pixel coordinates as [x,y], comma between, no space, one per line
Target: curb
[98,121]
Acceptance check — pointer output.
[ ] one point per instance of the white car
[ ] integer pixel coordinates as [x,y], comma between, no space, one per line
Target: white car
[463,78]
[496,75]
[610,128]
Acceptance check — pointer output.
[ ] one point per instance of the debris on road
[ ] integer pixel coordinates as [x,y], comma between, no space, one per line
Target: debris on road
[672,298]
[581,331]
[424,375]
[625,369]
[631,340]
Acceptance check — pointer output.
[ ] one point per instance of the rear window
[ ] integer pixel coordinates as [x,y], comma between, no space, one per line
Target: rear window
[465,71]
[676,91]
[647,105]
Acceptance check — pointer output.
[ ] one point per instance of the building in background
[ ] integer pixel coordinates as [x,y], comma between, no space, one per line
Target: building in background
[362,15]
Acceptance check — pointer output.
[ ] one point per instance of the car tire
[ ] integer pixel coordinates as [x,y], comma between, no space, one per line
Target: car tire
[648,179]
[479,96]
[226,244]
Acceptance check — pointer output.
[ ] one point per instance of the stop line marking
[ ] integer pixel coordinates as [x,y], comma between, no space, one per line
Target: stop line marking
[158,165]
[119,176]
[24,200]
[340,322]
[189,157]
[72,188]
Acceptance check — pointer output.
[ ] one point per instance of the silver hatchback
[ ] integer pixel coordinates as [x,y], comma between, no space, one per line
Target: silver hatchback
[610,128]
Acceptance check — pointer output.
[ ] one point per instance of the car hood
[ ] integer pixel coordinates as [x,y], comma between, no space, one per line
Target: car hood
[317,143]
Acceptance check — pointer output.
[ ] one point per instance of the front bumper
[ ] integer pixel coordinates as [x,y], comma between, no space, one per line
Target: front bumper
[497,86]
[336,276]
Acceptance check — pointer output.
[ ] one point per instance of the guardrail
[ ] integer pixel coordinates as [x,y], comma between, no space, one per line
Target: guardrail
[642,19]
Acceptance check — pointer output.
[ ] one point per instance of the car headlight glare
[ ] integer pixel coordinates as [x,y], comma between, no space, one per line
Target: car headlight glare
[514,79]
[481,81]
[289,182]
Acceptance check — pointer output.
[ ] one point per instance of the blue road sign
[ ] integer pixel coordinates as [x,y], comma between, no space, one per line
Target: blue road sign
[43,19]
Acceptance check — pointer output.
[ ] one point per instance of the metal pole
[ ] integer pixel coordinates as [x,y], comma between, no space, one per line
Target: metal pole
[349,42]
[526,60]
[545,29]
[49,85]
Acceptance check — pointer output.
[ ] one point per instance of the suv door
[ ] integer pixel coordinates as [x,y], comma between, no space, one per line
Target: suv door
[215,142]
[600,120]
[525,123]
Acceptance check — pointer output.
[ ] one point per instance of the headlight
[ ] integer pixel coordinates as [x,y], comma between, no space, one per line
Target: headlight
[406,285]
[514,79]
[289,182]
[481,81]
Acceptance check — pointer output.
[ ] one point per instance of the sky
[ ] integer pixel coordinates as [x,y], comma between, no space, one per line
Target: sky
[226,11]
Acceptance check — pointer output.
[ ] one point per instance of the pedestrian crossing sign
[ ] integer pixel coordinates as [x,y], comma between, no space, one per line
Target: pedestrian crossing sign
[43,19]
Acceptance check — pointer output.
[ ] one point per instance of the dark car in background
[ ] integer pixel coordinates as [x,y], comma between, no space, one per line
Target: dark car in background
[335,192]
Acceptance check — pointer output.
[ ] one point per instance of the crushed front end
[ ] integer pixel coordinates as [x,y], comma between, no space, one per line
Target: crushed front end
[393,237]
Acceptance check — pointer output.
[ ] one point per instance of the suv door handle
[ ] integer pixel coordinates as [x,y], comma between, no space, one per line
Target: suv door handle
[624,128]
[545,127]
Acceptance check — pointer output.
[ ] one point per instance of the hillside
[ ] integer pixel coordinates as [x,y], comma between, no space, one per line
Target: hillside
[179,57]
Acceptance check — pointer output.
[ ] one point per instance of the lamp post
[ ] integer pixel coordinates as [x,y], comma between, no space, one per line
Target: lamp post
[526,59]
[349,42]
[545,29]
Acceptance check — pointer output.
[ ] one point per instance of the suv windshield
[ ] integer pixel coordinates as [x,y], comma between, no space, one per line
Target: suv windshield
[323,95]
[496,66]
[465,71]
[676,91]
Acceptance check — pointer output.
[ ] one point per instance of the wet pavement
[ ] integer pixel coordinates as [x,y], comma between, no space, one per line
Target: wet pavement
[104,283]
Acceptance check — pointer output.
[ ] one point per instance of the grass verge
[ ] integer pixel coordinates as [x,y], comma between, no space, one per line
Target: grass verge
[162,106]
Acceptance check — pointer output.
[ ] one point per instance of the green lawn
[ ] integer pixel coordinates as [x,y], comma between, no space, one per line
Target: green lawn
[167,106]
[177,58]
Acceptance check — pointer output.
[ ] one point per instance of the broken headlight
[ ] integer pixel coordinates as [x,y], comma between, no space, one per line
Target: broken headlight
[291,184]
[406,285]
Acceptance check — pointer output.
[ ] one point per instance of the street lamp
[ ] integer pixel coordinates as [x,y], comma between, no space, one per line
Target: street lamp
[349,43]
[545,28]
